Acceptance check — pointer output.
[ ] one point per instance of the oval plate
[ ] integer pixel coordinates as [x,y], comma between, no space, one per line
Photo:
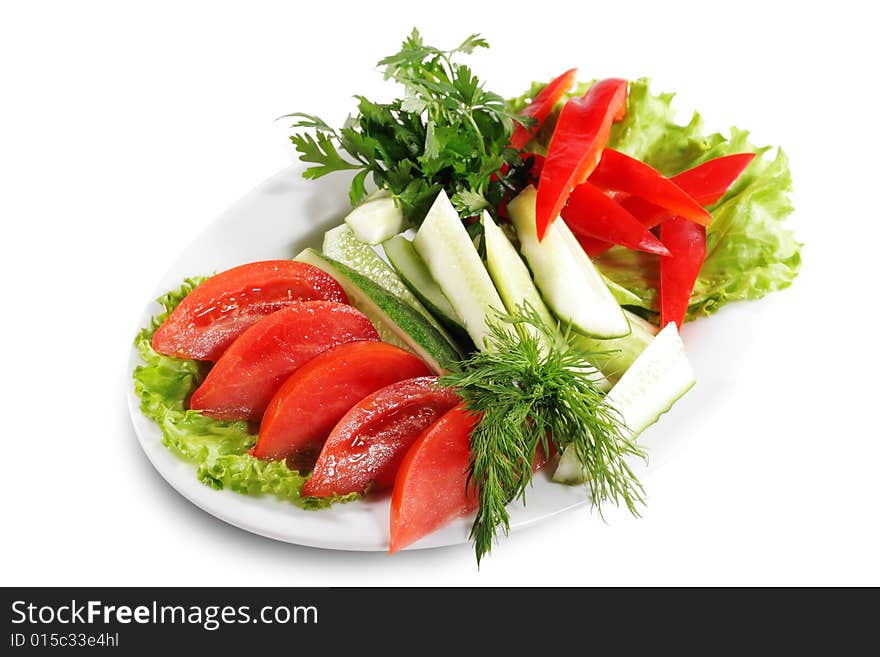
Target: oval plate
[276,220]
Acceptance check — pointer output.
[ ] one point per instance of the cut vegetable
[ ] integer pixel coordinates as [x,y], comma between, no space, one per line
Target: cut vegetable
[252,369]
[615,356]
[306,408]
[341,245]
[413,271]
[376,219]
[221,308]
[396,321]
[658,378]
[367,445]
[445,246]
[568,281]
[431,488]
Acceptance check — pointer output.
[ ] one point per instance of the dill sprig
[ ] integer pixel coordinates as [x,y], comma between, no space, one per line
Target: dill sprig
[533,389]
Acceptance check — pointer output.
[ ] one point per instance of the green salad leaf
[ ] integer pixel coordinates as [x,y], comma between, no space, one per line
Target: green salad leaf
[749,251]
[218,449]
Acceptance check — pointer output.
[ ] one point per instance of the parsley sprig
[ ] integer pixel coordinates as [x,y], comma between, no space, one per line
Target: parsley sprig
[533,389]
[446,132]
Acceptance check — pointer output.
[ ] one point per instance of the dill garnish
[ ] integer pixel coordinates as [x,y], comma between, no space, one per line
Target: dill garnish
[533,389]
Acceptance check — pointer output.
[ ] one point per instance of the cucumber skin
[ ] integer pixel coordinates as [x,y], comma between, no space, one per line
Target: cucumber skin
[338,245]
[424,339]
[445,316]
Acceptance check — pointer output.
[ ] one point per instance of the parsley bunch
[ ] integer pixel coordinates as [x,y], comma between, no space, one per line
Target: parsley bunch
[447,132]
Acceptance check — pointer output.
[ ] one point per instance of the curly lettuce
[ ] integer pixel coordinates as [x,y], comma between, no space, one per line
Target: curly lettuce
[218,449]
[749,252]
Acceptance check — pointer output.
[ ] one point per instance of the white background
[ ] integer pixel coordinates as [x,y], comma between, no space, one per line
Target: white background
[125,128]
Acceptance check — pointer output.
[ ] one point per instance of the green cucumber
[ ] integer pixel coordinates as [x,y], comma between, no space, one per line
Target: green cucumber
[657,379]
[447,249]
[510,274]
[341,245]
[414,273]
[569,283]
[395,320]
[514,282]
[376,219]
[614,356]
[623,296]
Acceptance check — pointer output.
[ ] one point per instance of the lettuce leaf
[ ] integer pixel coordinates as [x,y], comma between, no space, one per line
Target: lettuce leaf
[749,252]
[218,449]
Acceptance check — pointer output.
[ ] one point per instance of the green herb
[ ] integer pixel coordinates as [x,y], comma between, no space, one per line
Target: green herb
[532,389]
[446,132]
[219,449]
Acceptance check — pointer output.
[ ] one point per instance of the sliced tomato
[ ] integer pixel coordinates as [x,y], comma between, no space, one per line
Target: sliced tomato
[366,447]
[309,404]
[431,489]
[255,366]
[216,312]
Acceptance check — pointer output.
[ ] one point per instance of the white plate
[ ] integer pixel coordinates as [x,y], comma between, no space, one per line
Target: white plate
[276,220]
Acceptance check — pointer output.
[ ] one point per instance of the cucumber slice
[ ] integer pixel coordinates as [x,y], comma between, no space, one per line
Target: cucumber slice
[446,248]
[510,274]
[568,281]
[376,219]
[657,379]
[623,296]
[619,353]
[515,285]
[341,245]
[396,321]
[412,270]
[414,273]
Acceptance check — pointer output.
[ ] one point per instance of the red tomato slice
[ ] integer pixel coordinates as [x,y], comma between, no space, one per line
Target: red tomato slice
[252,369]
[431,485]
[306,408]
[366,447]
[221,308]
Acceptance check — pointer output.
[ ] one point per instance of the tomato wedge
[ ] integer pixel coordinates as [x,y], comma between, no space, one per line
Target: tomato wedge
[576,145]
[431,485]
[216,312]
[252,369]
[366,447]
[540,107]
[306,408]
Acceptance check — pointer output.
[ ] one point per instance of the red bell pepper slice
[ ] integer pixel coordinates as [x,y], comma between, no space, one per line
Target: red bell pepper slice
[540,107]
[591,213]
[619,172]
[686,242]
[706,183]
[576,145]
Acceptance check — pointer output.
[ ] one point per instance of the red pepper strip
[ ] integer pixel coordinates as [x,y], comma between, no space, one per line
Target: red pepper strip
[706,183]
[540,107]
[593,247]
[622,173]
[591,213]
[687,243]
[576,145]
